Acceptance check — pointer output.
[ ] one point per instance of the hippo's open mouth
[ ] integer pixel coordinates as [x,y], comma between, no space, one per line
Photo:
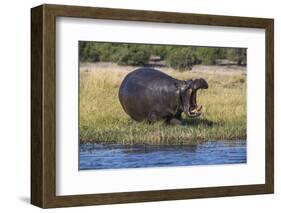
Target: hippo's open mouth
[194,110]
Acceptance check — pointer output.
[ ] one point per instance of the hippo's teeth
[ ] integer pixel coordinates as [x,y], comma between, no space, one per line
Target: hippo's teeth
[197,109]
[194,114]
[194,110]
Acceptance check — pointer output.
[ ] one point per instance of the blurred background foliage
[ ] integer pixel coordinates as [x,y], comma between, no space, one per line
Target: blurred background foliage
[177,57]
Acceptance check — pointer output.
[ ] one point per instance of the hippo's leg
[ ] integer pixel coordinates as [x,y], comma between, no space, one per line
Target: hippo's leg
[178,115]
[152,118]
[175,121]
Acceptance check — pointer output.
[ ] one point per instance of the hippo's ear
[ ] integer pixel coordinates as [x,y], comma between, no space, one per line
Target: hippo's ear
[188,83]
[178,85]
[182,86]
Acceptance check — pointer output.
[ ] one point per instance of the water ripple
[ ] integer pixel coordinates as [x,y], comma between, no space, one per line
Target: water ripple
[114,156]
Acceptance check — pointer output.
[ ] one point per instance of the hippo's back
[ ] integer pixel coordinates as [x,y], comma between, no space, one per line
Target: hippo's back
[143,90]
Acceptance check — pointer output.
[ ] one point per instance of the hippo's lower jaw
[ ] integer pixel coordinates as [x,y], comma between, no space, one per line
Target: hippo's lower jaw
[195,112]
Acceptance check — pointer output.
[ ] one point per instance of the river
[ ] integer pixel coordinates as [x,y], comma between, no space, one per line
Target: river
[114,156]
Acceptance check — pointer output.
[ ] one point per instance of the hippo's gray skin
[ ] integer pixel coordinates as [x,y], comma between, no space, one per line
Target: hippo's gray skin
[151,95]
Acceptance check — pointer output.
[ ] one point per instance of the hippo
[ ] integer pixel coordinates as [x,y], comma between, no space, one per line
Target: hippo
[147,94]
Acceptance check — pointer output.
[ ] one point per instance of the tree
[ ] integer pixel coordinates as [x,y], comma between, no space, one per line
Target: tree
[182,58]
[208,55]
[177,57]
[134,55]
[88,52]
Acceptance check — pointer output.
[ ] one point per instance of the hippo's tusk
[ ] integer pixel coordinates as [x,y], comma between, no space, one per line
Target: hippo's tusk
[194,114]
[197,109]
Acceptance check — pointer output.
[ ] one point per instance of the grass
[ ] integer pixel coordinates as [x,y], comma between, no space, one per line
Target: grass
[102,118]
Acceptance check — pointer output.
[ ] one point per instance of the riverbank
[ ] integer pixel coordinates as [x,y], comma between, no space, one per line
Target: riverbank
[102,118]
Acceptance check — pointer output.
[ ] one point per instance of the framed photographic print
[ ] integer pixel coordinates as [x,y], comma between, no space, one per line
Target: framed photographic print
[136,106]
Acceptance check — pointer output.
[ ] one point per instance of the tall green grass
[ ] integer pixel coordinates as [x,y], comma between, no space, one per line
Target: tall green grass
[102,118]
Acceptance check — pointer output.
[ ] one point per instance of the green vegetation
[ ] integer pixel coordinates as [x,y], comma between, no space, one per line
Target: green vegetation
[102,118]
[133,55]
[177,57]
[122,54]
[182,59]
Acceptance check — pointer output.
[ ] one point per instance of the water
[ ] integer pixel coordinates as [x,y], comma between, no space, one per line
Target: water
[114,156]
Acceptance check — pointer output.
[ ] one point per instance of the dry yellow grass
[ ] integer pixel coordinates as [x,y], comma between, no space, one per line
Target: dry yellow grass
[102,118]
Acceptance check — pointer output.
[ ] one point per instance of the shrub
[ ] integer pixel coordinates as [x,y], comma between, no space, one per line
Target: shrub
[133,55]
[88,52]
[182,59]
[177,57]
[159,50]
[208,56]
